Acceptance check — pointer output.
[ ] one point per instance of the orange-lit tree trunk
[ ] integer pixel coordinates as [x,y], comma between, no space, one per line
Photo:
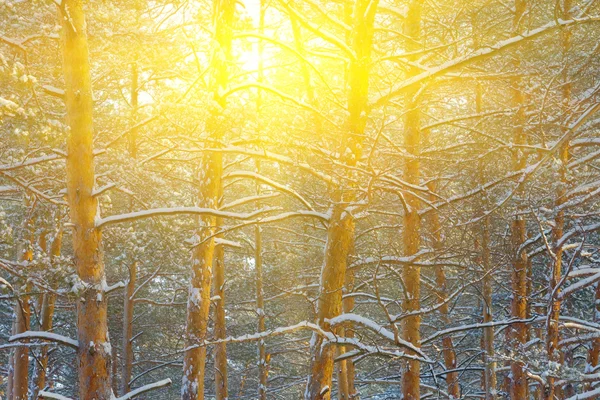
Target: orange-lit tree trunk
[340,232]
[263,367]
[488,332]
[346,369]
[339,237]
[594,353]
[22,324]
[220,328]
[46,316]
[411,274]
[127,345]
[452,379]
[490,382]
[518,332]
[553,334]
[209,193]
[94,352]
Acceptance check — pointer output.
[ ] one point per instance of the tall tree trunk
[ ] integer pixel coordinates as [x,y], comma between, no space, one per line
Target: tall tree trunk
[21,355]
[260,305]
[210,174]
[20,377]
[220,327]
[518,332]
[411,274]
[94,352]
[552,337]
[452,378]
[490,379]
[263,367]
[46,316]
[346,369]
[339,237]
[340,232]
[488,332]
[127,345]
[594,353]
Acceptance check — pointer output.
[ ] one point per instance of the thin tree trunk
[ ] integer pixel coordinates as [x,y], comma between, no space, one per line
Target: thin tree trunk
[20,384]
[21,355]
[341,229]
[340,232]
[263,367]
[127,345]
[220,330]
[260,304]
[553,335]
[46,315]
[594,353]
[518,332]
[411,274]
[452,379]
[94,352]
[210,175]
[488,332]
[491,381]
[346,369]
[11,363]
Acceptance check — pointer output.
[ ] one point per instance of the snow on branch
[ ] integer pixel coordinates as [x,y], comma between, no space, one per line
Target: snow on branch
[52,337]
[30,162]
[146,388]
[319,31]
[462,328]
[279,93]
[100,222]
[47,395]
[583,283]
[270,182]
[479,55]
[330,338]
[592,394]
[249,199]
[54,91]
[155,212]
[375,327]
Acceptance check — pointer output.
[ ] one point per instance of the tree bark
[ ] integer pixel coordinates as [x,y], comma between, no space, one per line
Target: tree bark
[263,367]
[46,315]
[94,352]
[20,373]
[553,335]
[518,332]
[594,353]
[452,378]
[340,232]
[210,174]
[411,274]
[220,327]
[21,354]
[490,379]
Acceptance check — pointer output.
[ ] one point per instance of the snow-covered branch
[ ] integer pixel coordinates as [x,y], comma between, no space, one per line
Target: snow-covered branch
[43,335]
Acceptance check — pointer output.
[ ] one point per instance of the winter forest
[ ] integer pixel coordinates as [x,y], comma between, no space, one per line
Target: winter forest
[300,199]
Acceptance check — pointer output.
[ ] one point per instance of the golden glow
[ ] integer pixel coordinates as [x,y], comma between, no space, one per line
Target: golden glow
[249,59]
